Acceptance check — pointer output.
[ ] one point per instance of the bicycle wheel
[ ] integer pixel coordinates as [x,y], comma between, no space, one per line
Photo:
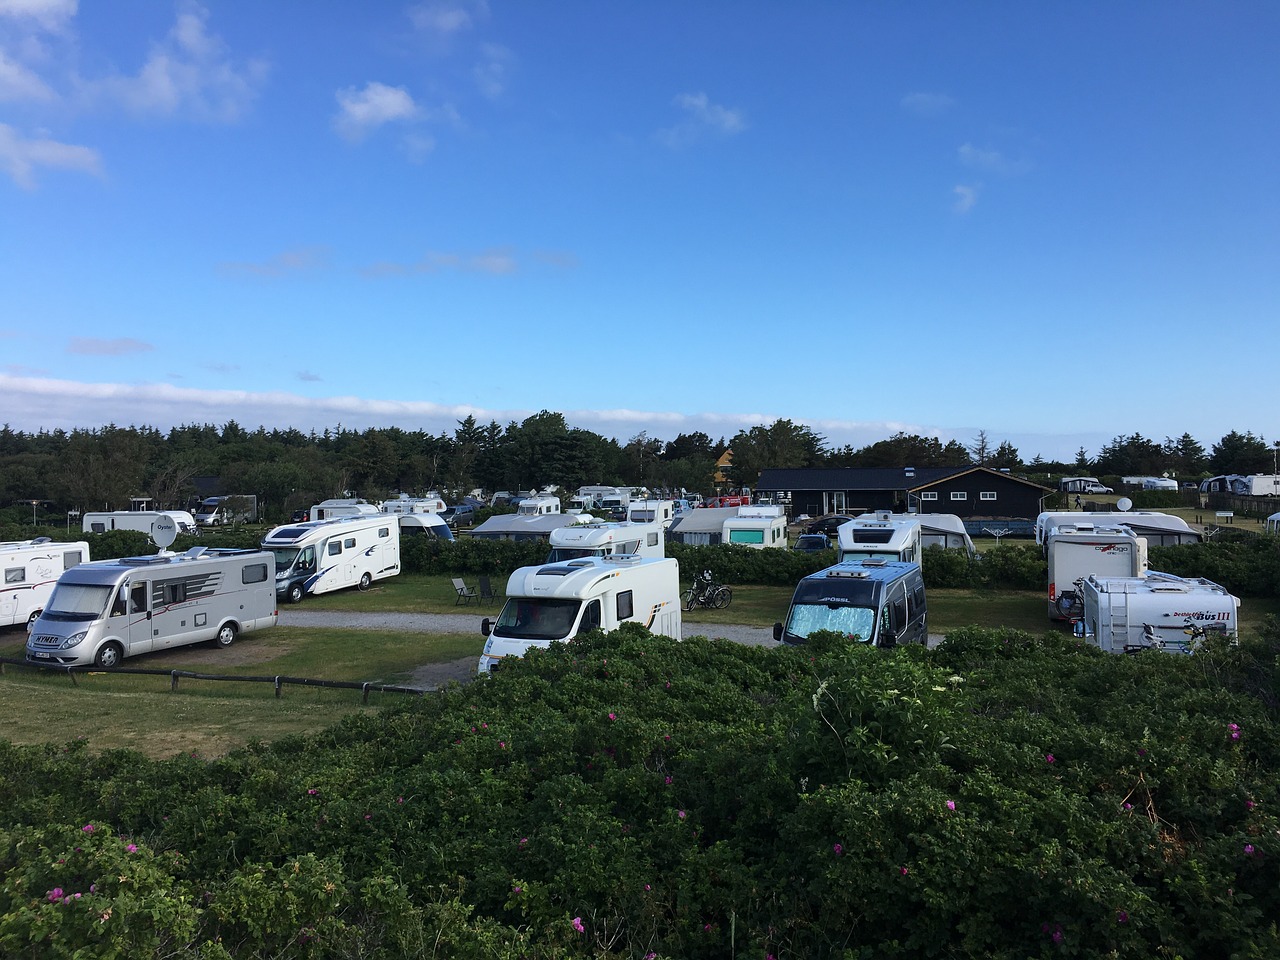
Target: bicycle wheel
[721,598]
[688,599]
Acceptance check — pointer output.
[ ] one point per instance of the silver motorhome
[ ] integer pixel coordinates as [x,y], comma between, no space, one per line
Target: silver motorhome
[31,569]
[106,610]
[874,601]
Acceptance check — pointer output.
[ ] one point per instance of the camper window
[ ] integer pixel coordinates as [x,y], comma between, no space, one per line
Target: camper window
[335,548]
[138,598]
[118,603]
[175,592]
[653,539]
[70,559]
[626,605]
[349,543]
[590,617]
[254,573]
[384,531]
[746,536]
[15,575]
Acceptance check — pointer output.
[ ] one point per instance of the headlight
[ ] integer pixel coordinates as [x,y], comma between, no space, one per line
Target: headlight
[72,640]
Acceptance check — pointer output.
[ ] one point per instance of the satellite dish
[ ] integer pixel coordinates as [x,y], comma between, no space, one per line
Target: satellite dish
[164,531]
[1124,503]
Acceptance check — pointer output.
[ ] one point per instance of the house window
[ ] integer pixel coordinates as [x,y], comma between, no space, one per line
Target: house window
[959,495]
[929,495]
[987,495]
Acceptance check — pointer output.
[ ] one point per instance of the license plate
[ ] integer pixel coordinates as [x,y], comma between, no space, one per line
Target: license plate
[43,654]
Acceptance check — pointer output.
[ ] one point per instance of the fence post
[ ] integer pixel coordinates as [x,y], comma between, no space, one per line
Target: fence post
[277,688]
[173,681]
[364,694]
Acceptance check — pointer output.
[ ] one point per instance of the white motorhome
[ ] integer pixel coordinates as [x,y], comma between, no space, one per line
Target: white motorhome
[554,602]
[590,497]
[404,504]
[1076,551]
[605,538]
[758,526]
[873,601]
[1159,529]
[143,521]
[652,511]
[218,511]
[945,530]
[1159,483]
[886,535]
[318,556]
[106,610]
[538,506]
[430,525]
[1158,611]
[31,568]
[349,507]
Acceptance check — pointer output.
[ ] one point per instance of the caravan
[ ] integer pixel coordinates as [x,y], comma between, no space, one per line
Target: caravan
[31,568]
[1158,611]
[1158,529]
[1077,551]
[350,507]
[873,601]
[757,527]
[883,535]
[106,610]
[323,555]
[606,538]
[555,602]
[144,521]
[653,511]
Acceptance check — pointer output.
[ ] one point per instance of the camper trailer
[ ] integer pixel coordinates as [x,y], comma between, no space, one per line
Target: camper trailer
[104,611]
[143,521]
[882,534]
[405,504]
[1158,611]
[758,527]
[323,555]
[350,507]
[653,511]
[555,602]
[1158,529]
[31,568]
[606,538]
[1076,551]
[874,601]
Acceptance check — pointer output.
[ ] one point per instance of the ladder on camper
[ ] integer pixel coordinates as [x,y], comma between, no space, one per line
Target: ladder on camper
[1120,619]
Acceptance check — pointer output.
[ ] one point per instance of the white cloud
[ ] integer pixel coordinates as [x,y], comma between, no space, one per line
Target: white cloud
[927,104]
[47,14]
[966,198]
[491,72]
[703,117]
[991,161]
[300,260]
[189,73]
[362,111]
[20,158]
[446,19]
[20,85]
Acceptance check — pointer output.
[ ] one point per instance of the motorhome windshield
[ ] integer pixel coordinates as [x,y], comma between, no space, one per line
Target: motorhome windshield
[561,554]
[78,601]
[806,619]
[542,619]
[284,557]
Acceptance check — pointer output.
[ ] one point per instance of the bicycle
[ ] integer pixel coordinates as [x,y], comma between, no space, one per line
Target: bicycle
[706,593]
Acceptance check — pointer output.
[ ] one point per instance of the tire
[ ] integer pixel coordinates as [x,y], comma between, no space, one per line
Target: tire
[226,635]
[365,581]
[295,593]
[1070,604]
[687,599]
[31,620]
[108,656]
[722,598]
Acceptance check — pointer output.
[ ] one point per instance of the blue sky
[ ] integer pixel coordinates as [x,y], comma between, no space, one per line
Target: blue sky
[1057,224]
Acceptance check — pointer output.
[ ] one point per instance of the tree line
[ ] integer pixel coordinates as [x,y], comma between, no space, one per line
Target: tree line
[287,469]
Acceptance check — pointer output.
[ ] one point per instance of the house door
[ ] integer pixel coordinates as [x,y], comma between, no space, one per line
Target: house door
[836,501]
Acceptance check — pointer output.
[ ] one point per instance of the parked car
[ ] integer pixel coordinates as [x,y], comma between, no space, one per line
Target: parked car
[812,542]
[827,525]
[1097,488]
[463,515]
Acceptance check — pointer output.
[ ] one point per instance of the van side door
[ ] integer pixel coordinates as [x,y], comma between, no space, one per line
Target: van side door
[141,635]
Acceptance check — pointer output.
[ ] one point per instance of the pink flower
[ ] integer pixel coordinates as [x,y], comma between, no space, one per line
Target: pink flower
[132,848]
[368,816]
[1122,917]
[524,841]
[54,895]
[837,849]
[577,925]
[706,928]
[517,889]
[312,792]
[613,716]
[951,804]
[1248,849]
[87,828]
[1048,758]
[904,871]
[646,886]
[680,814]
[668,781]
[1249,804]
[399,799]
[502,744]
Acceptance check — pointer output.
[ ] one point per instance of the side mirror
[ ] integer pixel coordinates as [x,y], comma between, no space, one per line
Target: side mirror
[777,631]
[485,626]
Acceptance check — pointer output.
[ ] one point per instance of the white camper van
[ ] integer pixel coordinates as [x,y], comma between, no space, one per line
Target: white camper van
[31,568]
[106,610]
[322,555]
[758,526]
[606,538]
[143,521]
[874,601]
[555,602]
[1076,551]
[883,535]
[1158,611]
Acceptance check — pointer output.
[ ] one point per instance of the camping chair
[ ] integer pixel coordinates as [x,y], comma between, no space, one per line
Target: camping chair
[465,594]
[486,591]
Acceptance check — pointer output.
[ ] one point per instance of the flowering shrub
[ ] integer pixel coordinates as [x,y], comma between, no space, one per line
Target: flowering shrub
[1003,795]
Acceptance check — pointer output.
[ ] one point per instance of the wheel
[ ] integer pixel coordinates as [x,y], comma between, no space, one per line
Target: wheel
[1070,604]
[722,598]
[687,599]
[227,635]
[295,593]
[109,656]
[31,620]
[365,580]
